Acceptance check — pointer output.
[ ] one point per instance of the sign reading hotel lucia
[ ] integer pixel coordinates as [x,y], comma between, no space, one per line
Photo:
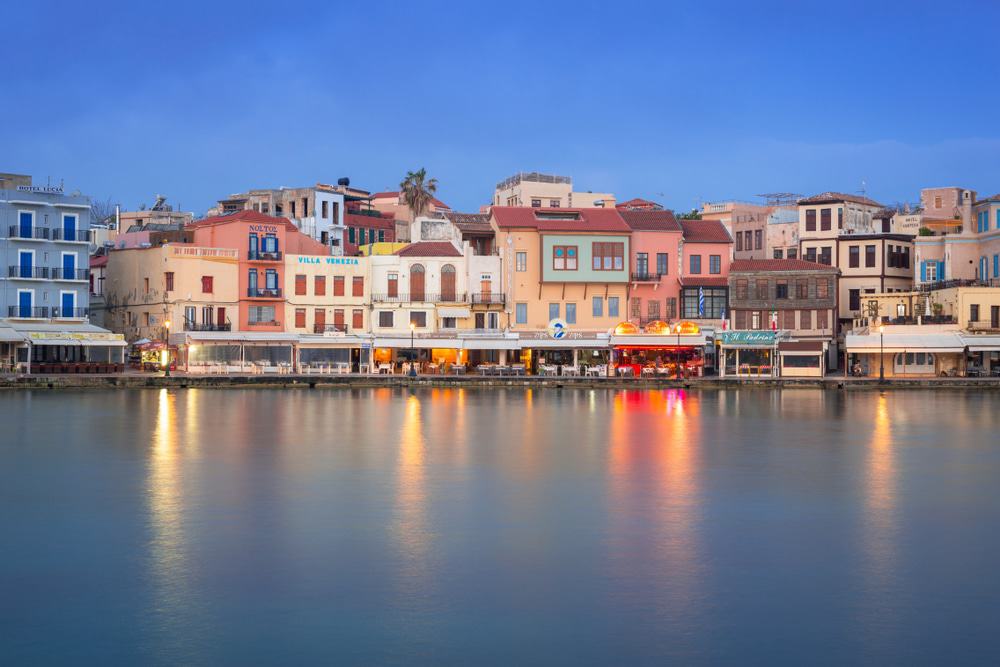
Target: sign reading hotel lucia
[746,337]
[328,260]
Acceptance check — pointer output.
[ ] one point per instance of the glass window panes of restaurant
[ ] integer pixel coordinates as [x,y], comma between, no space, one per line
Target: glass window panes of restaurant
[715,302]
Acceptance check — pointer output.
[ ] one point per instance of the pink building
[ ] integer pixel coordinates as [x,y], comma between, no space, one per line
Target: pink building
[705,256]
[654,271]
[261,241]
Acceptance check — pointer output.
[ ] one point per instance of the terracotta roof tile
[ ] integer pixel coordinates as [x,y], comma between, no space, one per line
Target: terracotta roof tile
[560,219]
[246,215]
[741,265]
[430,249]
[650,221]
[361,220]
[638,203]
[705,231]
[831,197]
[470,222]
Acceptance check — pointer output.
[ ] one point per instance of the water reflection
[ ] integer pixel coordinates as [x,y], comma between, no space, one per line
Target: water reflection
[410,513]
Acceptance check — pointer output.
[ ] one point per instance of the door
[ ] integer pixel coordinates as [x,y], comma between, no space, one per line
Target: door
[448,283]
[25,261]
[252,282]
[220,316]
[67,304]
[486,290]
[69,267]
[338,319]
[69,227]
[320,318]
[24,223]
[417,282]
[253,246]
[995,317]
[393,285]
[24,304]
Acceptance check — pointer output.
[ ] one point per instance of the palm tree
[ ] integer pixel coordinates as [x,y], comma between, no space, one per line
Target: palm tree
[418,191]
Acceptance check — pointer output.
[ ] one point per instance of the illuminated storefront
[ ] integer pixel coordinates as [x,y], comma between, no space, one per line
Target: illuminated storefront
[659,349]
[748,353]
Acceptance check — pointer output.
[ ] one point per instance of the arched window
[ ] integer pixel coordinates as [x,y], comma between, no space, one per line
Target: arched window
[417,282]
[448,282]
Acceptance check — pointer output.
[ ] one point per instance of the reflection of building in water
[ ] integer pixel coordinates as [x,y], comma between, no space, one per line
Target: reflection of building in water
[410,524]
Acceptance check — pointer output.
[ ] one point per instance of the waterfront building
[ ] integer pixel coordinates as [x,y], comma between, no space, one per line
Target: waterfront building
[796,301]
[705,258]
[654,265]
[44,284]
[746,222]
[966,251]
[537,190]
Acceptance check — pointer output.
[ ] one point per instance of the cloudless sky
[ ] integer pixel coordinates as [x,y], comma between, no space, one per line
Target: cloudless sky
[676,101]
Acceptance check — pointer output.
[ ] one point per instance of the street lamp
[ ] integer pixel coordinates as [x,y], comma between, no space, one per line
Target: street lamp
[413,354]
[881,358]
[678,371]
[166,351]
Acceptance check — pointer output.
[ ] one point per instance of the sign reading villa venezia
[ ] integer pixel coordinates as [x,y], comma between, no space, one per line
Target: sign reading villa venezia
[329,260]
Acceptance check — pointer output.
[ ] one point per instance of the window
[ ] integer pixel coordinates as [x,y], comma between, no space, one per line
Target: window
[805,319]
[762,290]
[739,242]
[536,203]
[447,322]
[869,256]
[418,319]
[825,257]
[300,284]
[325,209]
[793,253]
[362,232]
[777,253]
[854,256]
[937,202]
[671,308]
[781,289]
[612,306]
[168,280]
[570,313]
[714,302]
[741,289]
[822,319]
[261,315]
[642,263]
[854,300]
[822,288]
[662,263]
[381,235]
[392,284]
[271,279]
[350,235]
[609,256]
[598,306]
[338,285]
[358,286]
[521,261]
[636,308]
[520,313]
[801,288]
[553,203]
[840,218]
[973,312]
[553,311]
[358,318]
[206,284]
[300,318]
[715,264]
[811,220]
[564,258]
[319,286]
[694,262]
[385,319]
[755,319]
[758,236]
[653,309]
[788,317]
[145,281]
[930,271]
[740,319]
[825,221]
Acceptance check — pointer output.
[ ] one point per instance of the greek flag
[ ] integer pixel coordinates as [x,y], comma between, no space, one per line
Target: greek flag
[701,302]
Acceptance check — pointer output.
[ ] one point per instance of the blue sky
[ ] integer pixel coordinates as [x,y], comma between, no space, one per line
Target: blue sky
[694,100]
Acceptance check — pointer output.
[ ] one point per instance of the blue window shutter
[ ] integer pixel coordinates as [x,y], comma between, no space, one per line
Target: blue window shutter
[923,271]
[940,274]
[996,266]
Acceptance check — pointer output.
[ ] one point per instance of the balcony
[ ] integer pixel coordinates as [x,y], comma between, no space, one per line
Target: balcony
[264,256]
[70,313]
[489,299]
[983,325]
[38,233]
[60,273]
[947,284]
[643,277]
[329,328]
[72,235]
[264,292]
[420,297]
[28,272]
[33,312]
[264,323]
[207,326]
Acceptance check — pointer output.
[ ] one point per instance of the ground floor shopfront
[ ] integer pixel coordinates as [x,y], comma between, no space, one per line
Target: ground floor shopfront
[51,347]
[916,351]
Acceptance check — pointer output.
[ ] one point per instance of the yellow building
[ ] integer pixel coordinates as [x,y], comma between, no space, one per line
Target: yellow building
[326,294]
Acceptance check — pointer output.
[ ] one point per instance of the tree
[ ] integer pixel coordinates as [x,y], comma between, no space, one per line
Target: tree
[693,215]
[418,191]
[100,211]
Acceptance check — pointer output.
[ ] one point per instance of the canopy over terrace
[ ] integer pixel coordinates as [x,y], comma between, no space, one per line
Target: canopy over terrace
[660,347]
[234,351]
[446,348]
[941,342]
[348,351]
[78,344]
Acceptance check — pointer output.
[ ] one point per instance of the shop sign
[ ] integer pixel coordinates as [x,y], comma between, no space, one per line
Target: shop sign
[557,329]
[70,335]
[348,261]
[760,338]
[266,229]
[43,189]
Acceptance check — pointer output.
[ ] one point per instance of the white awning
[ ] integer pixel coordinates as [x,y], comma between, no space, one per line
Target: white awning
[490,343]
[451,311]
[981,343]
[658,340]
[564,343]
[44,333]
[943,341]
[424,343]
[8,335]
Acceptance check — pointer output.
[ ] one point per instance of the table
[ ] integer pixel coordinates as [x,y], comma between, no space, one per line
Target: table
[625,370]
[385,368]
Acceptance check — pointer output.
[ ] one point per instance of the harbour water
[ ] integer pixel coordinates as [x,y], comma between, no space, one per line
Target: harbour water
[476,526]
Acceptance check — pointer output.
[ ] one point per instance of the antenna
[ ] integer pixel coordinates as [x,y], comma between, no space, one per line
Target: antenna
[864,188]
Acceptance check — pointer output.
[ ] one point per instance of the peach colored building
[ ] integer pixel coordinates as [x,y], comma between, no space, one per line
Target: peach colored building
[654,265]
[261,242]
[705,257]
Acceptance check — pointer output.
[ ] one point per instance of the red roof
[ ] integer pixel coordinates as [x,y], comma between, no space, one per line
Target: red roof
[246,215]
[705,231]
[739,265]
[833,197]
[395,195]
[430,249]
[650,221]
[98,261]
[361,220]
[559,219]
[638,203]
[704,281]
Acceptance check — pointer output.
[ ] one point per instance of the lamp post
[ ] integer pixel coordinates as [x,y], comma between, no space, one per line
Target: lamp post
[413,355]
[678,371]
[881,358]
[166,350]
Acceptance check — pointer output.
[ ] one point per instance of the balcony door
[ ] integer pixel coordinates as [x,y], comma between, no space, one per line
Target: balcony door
[338,318]
[24,299]
[448,283]
[67,304]
[320,320]
[417,282]
[220,315]
[69,227]
[393,285]
[253,246]
[26,260]
[486,290]
[25,221]
[69,266]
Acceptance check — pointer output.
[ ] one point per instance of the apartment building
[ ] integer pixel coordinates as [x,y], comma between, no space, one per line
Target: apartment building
[654,265]
[537,190]
[969,251]
[705,257]
[326,294]
[746,222]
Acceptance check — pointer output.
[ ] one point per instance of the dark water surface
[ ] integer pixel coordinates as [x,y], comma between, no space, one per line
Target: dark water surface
[256,527]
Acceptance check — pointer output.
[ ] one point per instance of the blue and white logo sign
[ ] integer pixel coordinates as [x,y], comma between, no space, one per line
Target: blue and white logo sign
[557,329]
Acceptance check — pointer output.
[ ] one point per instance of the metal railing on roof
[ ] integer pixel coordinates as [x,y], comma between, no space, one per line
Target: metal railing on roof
[532,177]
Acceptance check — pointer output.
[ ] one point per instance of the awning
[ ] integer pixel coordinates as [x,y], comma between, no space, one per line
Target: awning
[659,340]
[490,343]
[77,339]
[943,341]
[8,335]
[451,311]
[426,343]
[803,347]
[982,343]
[565,343]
